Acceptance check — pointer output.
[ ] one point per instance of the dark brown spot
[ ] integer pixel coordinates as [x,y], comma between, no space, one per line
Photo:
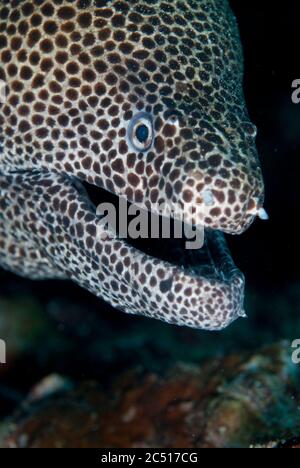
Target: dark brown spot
[66,13]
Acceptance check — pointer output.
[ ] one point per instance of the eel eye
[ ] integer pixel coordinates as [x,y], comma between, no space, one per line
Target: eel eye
[141,132]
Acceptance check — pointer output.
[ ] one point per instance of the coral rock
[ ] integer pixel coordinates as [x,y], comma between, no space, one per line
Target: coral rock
[237,401]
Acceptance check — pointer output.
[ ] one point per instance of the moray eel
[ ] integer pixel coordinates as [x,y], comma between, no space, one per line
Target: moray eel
[142,99]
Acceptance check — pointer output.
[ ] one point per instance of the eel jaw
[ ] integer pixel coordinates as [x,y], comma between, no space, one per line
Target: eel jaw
[206,293]
[200,289]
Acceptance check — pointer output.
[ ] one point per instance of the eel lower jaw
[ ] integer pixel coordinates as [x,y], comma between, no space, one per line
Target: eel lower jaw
[208,285]
[201,288]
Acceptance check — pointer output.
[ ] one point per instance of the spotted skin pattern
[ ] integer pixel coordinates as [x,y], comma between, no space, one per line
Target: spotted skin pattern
[77,73]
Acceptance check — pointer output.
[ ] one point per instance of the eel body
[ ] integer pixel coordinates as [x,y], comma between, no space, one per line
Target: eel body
[143,100]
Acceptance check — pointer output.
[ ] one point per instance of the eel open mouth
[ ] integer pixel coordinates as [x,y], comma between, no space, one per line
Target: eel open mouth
[197,288]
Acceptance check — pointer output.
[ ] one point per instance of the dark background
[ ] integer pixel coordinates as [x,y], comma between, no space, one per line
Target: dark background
[58,327]
[269,253]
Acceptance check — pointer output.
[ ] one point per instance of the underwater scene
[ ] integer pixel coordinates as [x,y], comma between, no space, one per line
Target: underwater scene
[149,241]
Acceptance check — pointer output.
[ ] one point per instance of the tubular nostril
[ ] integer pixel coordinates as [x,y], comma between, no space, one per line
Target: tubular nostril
[262,214]
[255,208]
[250,129]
